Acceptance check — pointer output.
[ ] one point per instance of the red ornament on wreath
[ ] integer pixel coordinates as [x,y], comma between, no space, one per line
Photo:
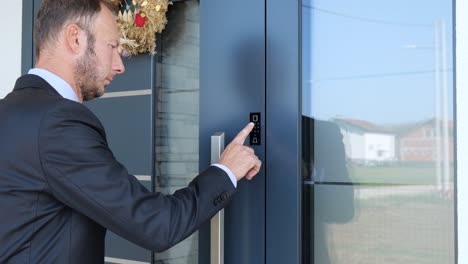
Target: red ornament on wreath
[140,19]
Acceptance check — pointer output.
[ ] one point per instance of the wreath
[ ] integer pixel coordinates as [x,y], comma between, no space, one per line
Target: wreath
[138,22]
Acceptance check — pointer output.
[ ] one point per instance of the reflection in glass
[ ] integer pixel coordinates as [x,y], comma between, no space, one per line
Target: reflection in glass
[380,73]
[177,114]
[326,201]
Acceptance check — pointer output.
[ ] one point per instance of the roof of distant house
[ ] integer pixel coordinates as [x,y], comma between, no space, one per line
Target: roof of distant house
[361,125]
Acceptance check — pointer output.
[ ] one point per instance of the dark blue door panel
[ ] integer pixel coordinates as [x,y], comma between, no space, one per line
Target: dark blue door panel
[232,84]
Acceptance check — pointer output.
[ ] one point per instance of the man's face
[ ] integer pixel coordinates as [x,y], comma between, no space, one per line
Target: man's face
[101,61]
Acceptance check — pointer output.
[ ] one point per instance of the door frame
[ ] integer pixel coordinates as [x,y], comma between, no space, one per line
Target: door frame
[283,111]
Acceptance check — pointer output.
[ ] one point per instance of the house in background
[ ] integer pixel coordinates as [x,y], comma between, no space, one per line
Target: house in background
[421,142]
[424,141]
[366,143]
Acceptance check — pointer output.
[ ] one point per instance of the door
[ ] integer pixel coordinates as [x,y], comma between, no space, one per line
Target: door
[207,76]
[232,85]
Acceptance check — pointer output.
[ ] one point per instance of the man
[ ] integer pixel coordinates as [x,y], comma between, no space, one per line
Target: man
[60,185]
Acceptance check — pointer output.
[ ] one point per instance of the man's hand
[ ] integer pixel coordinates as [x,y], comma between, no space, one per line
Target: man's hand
[240,159]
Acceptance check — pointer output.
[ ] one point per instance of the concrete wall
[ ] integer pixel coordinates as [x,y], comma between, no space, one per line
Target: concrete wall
[10,45]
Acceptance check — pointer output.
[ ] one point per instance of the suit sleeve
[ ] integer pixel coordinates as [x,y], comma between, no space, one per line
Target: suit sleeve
[83,174]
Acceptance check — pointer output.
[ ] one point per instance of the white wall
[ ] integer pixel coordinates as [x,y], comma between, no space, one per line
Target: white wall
[354,145]
[379,142]
[461,36]
[10,45]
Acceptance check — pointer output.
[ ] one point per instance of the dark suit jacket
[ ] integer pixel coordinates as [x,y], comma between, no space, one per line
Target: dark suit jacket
[61,187]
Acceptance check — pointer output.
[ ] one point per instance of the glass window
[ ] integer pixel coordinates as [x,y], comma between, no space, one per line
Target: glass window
[177,114]
[377,132]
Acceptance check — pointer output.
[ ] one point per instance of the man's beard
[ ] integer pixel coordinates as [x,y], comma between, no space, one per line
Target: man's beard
[86,77]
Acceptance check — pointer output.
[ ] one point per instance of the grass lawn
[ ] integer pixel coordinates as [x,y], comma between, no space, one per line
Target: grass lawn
[416,175]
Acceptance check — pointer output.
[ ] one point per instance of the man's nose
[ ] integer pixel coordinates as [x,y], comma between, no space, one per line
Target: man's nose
[118,65]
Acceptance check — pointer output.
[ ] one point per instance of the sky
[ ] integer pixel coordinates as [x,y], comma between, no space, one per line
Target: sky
[376,60]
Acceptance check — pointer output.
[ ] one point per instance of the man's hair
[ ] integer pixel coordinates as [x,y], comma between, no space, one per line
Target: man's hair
[54,15]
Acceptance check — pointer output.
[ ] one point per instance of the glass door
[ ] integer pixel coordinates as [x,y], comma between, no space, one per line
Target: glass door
[377,132]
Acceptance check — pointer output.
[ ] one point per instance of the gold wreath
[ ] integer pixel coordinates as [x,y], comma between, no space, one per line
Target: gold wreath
[139,22]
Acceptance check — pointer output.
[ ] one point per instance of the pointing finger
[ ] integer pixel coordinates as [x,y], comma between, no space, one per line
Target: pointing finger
[240,138]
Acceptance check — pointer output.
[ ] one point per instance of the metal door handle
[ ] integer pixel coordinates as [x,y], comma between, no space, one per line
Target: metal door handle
[217,222]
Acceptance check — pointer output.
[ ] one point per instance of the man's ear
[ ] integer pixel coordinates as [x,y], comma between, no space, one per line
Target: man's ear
[75,38]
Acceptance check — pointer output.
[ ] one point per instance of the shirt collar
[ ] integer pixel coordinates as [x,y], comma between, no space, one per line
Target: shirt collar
[60,85]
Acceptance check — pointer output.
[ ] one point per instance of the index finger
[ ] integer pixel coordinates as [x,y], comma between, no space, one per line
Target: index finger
[240,138]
